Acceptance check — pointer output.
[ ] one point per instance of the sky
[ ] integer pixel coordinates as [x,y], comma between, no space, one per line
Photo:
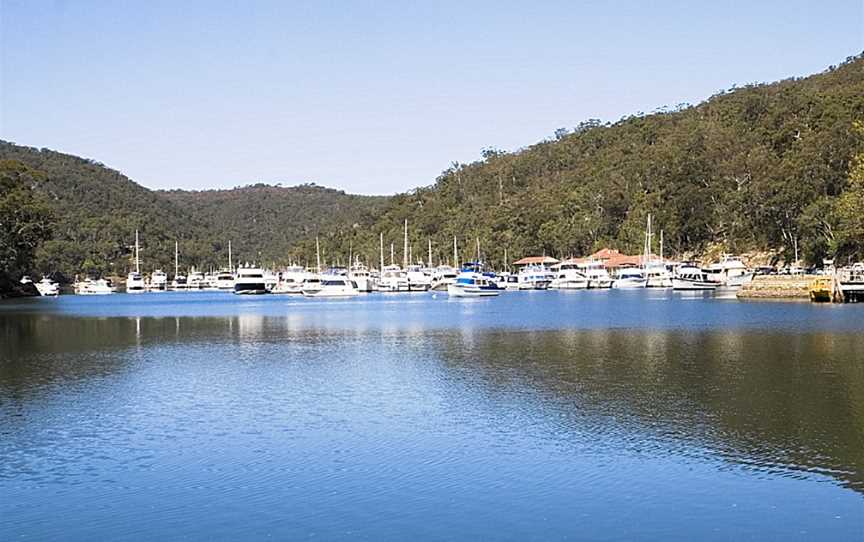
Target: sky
[374,97]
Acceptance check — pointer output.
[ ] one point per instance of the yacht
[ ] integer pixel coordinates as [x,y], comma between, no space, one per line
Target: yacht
[730,272]
[158,280]
[657,274]
[690,277]
[333,285]
[443,276]
[534,277]
[180,282]
[471,283]
[507,281]
[419,278]
[629,278]
[270,280]
[135,283]
[225,281]
[566,276]
[361,276]
[26,280]
[595,271]
[94,287]
[311,284]
[393,279]
[197,280]
[249,281]
[47,287]
[290,280]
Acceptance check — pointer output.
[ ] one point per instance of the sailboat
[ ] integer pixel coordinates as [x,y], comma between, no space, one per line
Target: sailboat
[655,271]
[135,280]
[180,282]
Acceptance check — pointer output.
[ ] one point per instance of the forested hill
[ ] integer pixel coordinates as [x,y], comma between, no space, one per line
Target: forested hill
[756,167]
[95,211]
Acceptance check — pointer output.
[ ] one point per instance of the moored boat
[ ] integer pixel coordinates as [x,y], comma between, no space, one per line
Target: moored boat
[471,283]
[690,277]
[629,278]
[250,281]
[94,287]
[47,287]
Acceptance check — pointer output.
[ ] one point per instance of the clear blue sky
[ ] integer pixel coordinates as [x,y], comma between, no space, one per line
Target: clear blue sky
[374,97]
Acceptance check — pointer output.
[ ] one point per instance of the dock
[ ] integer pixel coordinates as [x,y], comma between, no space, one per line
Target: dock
[777,287]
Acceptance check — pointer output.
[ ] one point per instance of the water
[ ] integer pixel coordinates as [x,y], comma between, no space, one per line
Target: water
[548,415]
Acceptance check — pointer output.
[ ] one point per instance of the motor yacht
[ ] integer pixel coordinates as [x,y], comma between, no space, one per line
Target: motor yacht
[443,276]
[271,279]
[361,276]
[730,272]
[180,282]
[135,283]
[419,278]
[691,277]
[311,284]
[159,280]
[658,274]
[471,283]
[534,277]
[596,273]
[249,281]
[94,287]
[629,278]
[333,285]
[197,280]
[566,276]
[393,279]
[225,281]
[290,280]
[47,287]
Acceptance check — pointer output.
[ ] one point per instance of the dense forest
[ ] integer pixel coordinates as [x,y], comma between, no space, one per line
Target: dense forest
[768,167]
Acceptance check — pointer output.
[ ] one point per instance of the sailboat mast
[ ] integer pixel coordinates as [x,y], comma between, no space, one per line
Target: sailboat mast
[318,253]
[478,250]
[429,260]
[230,262]
[381,241]
[176,259]
[137,260]
[455,254]
[391,253]
[405,247]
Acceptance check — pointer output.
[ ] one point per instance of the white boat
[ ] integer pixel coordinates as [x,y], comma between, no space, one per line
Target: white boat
[393,279]
[629,278]
[730,271]
[158,280]
[566,276]
[473,284]
[534,277]
[47,287]
[595,271]
[197,280]
[135,283]
[658,274]
[26,280]
[690,277]
[250,281]
[443,276]
[362,277]
[419,279]
[225,281]
[180,282]
[311,284]
[333,286]
[271,279]
[94,287]
[291,280]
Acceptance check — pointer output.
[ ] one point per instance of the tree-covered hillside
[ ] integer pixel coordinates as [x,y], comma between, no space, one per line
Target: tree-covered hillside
[757,167]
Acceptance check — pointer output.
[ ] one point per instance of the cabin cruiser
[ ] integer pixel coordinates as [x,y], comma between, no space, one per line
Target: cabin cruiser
[135,283]
[249,281]
[47,287]
[361,276]
[443,276]
[290,280]
[534,277]
[158,280]
[393,279]
[595,271]
[94,287]
[507,281]
[852,282]
[568,277]
[658,274]
[224,280]
[419,279]
[730,272]
[471,283]
[180,282]
[333,285]
[629,278]
[26,280]
[690,277]
[271,279]
[311,284]
[197,280]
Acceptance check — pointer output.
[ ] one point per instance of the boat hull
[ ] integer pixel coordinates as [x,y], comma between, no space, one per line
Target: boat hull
[458,290]
[692,285]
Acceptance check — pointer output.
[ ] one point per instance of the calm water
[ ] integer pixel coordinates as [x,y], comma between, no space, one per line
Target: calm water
[584,415]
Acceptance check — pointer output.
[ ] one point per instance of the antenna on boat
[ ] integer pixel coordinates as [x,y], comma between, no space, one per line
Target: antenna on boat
[318,253]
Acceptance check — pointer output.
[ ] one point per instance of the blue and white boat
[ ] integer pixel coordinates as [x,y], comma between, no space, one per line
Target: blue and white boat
[470,282]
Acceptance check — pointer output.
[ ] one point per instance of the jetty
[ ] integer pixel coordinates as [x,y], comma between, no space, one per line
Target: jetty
[777,287]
